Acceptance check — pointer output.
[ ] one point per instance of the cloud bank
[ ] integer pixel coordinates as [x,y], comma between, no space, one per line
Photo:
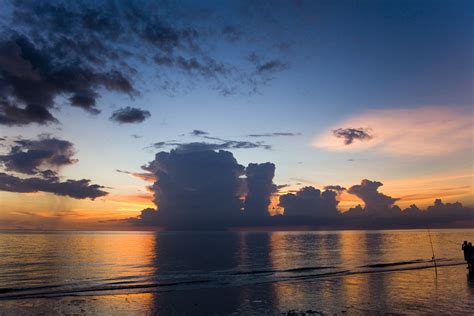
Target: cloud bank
[208,189]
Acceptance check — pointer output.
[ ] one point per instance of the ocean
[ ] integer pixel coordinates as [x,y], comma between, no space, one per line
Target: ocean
[222,273]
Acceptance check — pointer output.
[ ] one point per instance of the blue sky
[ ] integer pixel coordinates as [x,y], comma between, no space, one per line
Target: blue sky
[337,61]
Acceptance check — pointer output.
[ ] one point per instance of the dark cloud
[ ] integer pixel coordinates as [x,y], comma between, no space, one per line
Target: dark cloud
[43,157]
[276,134]
[351,134]
[33,75]
[260,187]
[310,201]
[198,132]
[336,188]
[54,49]
[129,115]
[78,189]
[34,156]
[375,202]
[11,114]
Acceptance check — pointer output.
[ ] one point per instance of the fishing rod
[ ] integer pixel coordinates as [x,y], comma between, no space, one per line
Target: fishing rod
[432,251]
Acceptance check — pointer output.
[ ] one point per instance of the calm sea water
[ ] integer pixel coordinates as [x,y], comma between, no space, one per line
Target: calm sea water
[235,272]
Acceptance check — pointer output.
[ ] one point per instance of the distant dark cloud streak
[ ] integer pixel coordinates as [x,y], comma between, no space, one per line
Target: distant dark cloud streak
[205,146]
[218,144]
[198,132]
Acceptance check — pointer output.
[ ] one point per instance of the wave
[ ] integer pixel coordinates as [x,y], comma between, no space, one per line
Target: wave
[66,291]
[391,264]
[270,271]
[398,263]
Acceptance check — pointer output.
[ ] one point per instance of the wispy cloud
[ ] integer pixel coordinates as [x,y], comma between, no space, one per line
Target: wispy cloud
[145,176]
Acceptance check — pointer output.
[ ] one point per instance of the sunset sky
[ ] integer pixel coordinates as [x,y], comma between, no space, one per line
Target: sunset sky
[329,92]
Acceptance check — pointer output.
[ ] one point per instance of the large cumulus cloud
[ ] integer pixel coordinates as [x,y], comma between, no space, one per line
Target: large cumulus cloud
[260,187]
[376,203]
[200,188]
